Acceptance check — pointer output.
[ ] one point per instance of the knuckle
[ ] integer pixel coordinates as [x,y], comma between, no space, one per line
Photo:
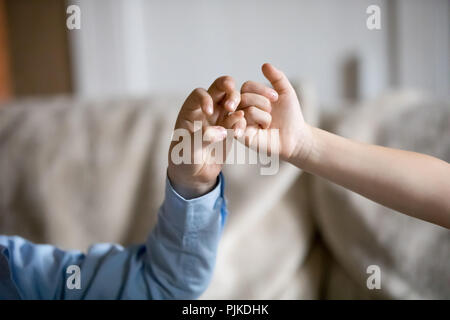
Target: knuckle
[227,78]
[198,92]
[227,82]
[201,96]
[252,110]
[246,86]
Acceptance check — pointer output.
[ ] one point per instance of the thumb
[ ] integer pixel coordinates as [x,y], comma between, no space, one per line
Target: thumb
[277,78]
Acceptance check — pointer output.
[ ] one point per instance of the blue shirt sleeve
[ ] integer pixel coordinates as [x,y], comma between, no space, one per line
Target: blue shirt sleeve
[176,262]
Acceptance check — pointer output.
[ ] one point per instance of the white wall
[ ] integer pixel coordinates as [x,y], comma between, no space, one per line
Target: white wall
[144,47]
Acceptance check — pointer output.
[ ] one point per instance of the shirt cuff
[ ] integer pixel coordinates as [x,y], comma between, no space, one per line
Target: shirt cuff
[197,213]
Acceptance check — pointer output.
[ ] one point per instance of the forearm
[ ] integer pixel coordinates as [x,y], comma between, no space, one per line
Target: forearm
[409,182]
[182,247]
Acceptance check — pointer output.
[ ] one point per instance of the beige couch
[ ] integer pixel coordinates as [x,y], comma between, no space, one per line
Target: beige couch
[77,172]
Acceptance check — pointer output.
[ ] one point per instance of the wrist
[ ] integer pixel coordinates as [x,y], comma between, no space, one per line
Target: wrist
[189,188]
[305,143]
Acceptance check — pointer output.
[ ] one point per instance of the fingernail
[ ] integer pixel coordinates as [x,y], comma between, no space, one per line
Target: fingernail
[209,109]
[230,105]
[274,94]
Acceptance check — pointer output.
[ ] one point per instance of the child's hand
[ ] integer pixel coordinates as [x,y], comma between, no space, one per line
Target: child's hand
[215,109]
[277,108]
[378,173]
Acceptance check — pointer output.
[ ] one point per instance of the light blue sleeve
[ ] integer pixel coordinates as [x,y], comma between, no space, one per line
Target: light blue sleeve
[176,262]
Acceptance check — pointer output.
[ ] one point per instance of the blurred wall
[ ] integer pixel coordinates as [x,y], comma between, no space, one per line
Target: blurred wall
[145,46]
[423,45]
[5,73]
[38,53]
